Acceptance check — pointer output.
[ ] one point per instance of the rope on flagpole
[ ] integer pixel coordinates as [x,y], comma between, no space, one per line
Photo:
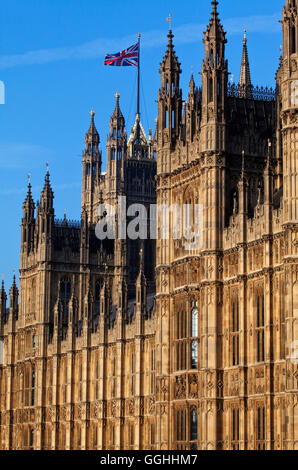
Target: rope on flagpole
[145,105]
[132,100]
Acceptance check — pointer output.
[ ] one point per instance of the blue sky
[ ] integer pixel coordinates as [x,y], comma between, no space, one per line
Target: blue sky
[51,61]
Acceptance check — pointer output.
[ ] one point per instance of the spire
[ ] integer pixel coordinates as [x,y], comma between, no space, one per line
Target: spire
[117,111]
[3,296]
[92,136]
[47,194]
[214,11]
[192,85]
[14,294]
[245,80]
[29,205]
[170,95]
[117,121]
[170,60]
[3,300]
[214,78]
[214,29]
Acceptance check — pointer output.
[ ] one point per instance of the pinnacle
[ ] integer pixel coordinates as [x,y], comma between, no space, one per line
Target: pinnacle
[214,3]
[117,111]
[47,190]
[14,284]
[92,129]
[245,78]
[170,57]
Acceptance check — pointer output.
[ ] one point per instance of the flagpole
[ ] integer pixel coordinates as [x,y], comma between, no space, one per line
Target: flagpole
[138,96]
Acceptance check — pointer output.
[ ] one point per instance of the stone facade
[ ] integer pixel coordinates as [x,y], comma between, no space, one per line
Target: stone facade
[107,348]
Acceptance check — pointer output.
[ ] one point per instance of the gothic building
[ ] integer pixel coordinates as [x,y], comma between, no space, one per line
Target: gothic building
[123,344]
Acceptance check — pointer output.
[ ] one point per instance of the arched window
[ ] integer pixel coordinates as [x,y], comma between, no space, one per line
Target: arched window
[261,428]
[235,333]
[260,328]
[194,425]
[194,334]
[235,428]
[114,378]
[96,307]
[33,296]
[293,39]
[133,371]
[34,342]
[65,295]
[31,438]
[32,386]
[194,321]
[210,89]
[194,354]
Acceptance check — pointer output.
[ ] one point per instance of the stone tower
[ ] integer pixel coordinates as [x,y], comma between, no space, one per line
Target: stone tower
[101,350]
[288,83]
[91,170]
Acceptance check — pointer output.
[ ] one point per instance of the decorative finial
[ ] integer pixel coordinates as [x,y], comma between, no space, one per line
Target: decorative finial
[245,36]
[139,35]
[48,166]
[169,20]
[29,178]
[64,214]
[92,113]
[117,95]
[214,4]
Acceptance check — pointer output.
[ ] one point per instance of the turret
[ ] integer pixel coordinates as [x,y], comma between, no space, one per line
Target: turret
[289,118]
[13,300]
[28,223]
[91,167]
[3,300]
[45,211]
[214,84]
[192,110]
[170,97]
[116,148]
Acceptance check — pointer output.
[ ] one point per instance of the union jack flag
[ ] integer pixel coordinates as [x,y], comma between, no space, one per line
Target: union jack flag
[127,58]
